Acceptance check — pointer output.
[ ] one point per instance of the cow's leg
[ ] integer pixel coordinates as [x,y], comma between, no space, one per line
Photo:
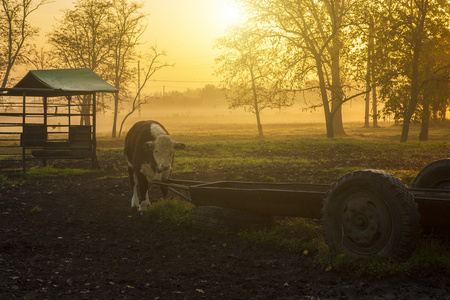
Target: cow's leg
[143,192]
[164,190]
[131,176]
[134,182]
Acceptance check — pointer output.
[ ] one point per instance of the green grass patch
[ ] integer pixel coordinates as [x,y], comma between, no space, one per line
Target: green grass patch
[36,209]
[430,254]
[294,234]
[4,180]
[172,210]
[305,237]
[38,172]
[307,159]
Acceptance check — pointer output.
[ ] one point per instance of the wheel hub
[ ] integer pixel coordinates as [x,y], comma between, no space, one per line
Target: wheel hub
[366,223]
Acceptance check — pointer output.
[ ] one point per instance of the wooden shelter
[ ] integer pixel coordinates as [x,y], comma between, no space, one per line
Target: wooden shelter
[50,114]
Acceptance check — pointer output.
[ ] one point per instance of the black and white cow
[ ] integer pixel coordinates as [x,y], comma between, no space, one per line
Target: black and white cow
[149,151]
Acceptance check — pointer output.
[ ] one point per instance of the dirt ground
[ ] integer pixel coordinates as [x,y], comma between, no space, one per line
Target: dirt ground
[76,237]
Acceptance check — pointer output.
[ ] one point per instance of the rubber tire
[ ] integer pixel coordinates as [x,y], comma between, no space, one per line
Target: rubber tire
[214,218]
[371,213]
[435,175]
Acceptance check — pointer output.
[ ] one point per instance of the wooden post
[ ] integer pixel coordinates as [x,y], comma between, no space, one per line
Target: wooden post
[24,99]
[44,103]
[95,163]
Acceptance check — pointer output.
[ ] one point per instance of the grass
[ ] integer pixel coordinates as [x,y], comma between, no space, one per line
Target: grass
[430,254]
[309,159]
[41,172]
[304,236]
[296,153]
[38,172]
[313,158]
[36,209]
[294,234]
[273,131]
[174,211]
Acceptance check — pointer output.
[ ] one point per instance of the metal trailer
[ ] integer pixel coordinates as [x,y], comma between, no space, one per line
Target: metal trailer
[364,213]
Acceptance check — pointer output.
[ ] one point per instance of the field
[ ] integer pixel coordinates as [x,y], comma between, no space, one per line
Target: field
[71,233]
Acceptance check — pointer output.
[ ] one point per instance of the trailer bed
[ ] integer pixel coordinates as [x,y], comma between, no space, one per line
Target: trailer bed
[297,199]
[283,199]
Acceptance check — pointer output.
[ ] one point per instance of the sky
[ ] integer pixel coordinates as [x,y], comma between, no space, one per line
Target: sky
[185,29]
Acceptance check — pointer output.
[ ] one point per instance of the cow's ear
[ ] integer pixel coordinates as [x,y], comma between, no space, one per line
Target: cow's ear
[148,146]
[180,146]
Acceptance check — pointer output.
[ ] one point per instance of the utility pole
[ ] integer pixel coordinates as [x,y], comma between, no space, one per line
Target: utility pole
[139,86]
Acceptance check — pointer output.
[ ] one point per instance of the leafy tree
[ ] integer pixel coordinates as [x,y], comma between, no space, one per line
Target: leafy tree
[364,55]
[410,28]
[314,34]
[250,73]
[434,96]
[15,33]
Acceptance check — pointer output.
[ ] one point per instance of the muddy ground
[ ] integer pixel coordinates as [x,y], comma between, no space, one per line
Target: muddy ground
[76,237]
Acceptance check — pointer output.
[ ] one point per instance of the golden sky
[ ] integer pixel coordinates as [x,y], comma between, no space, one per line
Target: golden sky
[186,29]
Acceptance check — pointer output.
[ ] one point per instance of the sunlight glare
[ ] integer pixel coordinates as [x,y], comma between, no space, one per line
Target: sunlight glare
[229,14]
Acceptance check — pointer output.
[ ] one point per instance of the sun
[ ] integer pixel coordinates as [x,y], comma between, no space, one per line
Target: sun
[229,14]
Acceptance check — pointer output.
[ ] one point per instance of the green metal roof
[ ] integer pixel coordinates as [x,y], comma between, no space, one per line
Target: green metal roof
[61,82]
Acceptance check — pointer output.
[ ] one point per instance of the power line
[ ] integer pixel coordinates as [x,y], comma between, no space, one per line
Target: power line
[196,57]
[187,81]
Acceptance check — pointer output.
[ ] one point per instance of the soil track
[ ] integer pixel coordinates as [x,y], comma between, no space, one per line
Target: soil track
[75,237]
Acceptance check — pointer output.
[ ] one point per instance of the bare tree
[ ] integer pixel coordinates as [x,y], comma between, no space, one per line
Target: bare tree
[154,65]
[15,33]
[127,29]
[82,40]
[42,59]
[251,73]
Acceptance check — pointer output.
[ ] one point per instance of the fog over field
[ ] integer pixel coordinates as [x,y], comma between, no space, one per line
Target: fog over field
[217,112]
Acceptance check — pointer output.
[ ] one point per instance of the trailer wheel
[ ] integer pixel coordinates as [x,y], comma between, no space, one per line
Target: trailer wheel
[435,175]
[219,218]
[371,213]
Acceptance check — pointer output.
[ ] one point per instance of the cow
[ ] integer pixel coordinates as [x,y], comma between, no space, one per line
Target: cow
[149,152]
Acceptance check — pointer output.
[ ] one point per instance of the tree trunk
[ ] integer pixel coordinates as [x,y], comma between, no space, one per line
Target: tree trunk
[368,73]
[372,72]
[324,95]
[337,94]
[367,98]
[116,108]
[423,136]
[255,104]
[87,118]
[85,110]
[367,109]
[417,44]
[338,126]
[374,107]
[258,122]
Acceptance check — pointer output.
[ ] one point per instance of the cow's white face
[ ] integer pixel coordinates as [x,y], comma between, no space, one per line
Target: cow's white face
[162,150]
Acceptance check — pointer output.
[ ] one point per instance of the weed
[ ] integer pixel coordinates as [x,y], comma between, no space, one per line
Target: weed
[172,210]
[36,209]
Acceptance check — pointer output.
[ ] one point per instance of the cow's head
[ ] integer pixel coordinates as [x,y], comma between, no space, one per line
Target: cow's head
[163,148]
